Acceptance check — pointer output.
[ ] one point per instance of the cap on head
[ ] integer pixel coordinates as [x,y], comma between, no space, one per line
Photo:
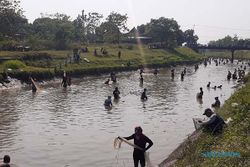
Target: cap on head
[109,97]
[216,98]
[207,111]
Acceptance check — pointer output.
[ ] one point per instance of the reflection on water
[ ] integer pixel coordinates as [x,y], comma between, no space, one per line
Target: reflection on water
[70,127]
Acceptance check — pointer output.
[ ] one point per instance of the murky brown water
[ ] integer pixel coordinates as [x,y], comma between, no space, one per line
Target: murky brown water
[57,127]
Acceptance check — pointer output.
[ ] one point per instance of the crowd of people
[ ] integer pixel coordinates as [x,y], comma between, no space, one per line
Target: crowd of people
[214,122]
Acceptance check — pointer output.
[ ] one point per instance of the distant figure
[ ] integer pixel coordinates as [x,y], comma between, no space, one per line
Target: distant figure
[143,142]
[217,102]
[68,79]
[208,85]
[205,63]
[234,75]
[95,52]
[196,67]
[172,73]
[107,82]
[116,93]
[141,79]
[141,70]
[214,87]
[6,161]
[185,71]
[220,86]
[182,75]
[229,75]
[156,71]
[200,94]
[119,54]
[64,80]
[108,102]
[113,76]
[33,86]
[144,96]
[214,123]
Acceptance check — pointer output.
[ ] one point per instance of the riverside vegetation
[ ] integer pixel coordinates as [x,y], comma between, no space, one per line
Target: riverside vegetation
[48,64]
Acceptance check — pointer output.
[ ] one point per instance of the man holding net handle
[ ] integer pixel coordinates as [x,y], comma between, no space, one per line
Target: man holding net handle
[140,141]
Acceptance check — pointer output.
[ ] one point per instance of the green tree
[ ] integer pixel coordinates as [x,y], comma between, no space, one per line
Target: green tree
[118,20]
[61,39]
[53,28]
[190,38]
[108,32]
[165,30]
[12,20]
[226,41]
[85,26]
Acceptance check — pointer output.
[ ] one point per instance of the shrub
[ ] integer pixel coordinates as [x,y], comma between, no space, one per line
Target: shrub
[14,64]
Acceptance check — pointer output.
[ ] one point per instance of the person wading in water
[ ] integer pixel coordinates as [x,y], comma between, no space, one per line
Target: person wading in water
[140,140]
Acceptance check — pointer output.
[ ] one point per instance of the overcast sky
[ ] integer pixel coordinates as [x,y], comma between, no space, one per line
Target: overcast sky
[211,19]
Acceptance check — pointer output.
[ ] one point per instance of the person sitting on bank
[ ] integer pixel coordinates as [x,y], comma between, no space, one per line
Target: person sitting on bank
[216,103]
[214,123]
[141,141]
[6,161]
[144,96]
[116,93]
[200,94]
[108,102]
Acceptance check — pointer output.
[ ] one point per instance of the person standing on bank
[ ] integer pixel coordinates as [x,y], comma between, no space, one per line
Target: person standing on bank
[140,140]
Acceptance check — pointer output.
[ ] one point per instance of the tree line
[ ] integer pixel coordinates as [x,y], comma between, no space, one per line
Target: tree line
[59,31]
[229,41]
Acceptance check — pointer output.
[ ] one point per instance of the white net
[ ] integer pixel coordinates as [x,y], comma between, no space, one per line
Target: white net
[118,143]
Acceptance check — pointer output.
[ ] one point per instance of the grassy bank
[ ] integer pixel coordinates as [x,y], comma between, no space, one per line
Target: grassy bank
[235,138]
[47,64]
[228,54]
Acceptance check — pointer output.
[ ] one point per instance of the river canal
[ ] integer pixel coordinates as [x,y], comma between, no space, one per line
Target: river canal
[70,128]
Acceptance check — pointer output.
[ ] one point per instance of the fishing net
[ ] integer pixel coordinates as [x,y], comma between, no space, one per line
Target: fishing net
[117,145]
